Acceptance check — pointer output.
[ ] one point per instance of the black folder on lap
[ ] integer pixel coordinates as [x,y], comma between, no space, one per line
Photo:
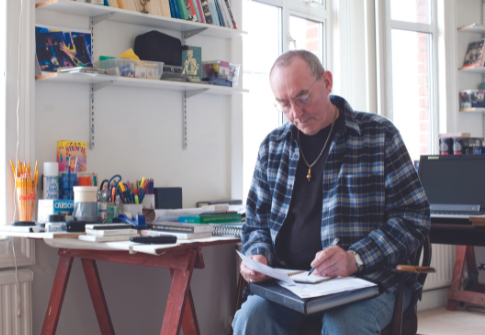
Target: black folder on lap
[271,291]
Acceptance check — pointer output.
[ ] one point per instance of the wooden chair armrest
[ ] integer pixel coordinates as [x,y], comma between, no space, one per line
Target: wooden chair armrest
[415,269]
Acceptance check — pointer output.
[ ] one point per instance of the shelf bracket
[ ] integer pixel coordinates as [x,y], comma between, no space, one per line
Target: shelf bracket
[187,95]
[188,34]
[98,86]
[97,19]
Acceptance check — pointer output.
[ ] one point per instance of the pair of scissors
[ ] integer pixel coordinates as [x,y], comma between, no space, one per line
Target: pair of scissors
[109,182]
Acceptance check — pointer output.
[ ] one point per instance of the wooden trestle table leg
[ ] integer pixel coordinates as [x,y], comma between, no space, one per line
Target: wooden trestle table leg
[457,275]
[178,307]
[57,294]
[97,296]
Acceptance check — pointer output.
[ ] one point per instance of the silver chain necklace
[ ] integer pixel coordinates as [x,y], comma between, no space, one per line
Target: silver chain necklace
[309,175]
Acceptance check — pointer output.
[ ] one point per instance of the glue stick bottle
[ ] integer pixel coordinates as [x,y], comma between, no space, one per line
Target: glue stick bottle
[51,180]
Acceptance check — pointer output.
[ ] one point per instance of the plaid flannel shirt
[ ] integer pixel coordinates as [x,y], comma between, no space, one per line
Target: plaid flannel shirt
[372,197]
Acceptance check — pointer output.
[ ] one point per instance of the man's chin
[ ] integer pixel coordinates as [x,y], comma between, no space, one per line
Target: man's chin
[307,129]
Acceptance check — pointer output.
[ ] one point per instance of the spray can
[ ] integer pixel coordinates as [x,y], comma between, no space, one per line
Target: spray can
[51,180]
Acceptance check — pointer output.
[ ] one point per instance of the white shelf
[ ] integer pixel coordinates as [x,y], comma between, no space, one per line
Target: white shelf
[84,78]
[472,28]
[472,69]
[472,110]
[41,235]
[126,16]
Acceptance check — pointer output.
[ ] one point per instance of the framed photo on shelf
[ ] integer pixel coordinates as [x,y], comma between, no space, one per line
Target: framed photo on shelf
[474,53]
[56,47]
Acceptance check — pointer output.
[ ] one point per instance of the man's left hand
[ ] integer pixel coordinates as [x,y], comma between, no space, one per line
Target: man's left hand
[334,262]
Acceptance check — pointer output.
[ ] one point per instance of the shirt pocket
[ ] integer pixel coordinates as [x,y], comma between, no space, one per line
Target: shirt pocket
[362,197]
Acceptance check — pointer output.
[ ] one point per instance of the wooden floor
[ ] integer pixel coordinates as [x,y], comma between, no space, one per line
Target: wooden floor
[443,322]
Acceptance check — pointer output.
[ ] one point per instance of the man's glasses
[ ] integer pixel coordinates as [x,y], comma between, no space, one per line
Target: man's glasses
[301,101]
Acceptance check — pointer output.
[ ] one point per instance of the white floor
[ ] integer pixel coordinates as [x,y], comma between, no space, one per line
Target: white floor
[440,321]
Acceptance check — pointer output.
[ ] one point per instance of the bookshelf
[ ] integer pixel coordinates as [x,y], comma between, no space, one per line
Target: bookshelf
[97,14]
[472,110]
[472,28]
[476,29]
[126,16]
[136,82]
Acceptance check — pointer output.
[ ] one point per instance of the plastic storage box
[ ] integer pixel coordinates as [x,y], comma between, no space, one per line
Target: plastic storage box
[131,68]
[472,99]
[220,72]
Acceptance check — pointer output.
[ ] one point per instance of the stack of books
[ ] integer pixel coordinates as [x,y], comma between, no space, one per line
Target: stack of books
[100,232]
[183,231]
[204,218]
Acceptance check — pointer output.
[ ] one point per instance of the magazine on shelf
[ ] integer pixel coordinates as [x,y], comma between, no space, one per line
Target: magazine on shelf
[474,54]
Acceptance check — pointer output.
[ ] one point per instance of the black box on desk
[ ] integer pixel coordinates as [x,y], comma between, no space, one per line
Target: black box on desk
[168,197]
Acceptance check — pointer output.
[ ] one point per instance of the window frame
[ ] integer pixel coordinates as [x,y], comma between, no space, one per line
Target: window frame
[384,27]
[311,11]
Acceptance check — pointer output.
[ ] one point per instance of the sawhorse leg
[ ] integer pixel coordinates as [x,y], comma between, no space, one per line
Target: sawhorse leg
[455,294]
[97,296]
[180,305]
[57,295]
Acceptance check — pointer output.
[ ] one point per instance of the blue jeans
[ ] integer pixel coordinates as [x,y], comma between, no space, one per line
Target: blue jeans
[258,316]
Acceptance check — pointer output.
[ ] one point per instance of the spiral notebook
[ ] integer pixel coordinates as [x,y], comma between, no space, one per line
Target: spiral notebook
[228,229]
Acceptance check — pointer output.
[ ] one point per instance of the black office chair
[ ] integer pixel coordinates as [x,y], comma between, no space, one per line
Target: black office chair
[402,323]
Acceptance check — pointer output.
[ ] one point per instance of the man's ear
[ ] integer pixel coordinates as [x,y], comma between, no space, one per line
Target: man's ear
[328,80]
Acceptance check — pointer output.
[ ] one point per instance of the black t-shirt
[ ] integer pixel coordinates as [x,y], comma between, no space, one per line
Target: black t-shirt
[300,238]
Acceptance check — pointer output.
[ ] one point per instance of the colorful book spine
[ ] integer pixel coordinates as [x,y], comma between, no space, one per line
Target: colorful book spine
[181,228]
[182,9]
[180,236]
[174,9]
[213,12]
[230,14]
[219,13]
[196,10]
[191,9]
[216,218]
[187,10]
[207,12]
[201,12]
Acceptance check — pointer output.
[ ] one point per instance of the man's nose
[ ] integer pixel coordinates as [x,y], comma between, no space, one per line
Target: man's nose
[296,111]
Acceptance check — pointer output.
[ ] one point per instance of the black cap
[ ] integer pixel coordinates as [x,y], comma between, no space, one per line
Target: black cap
[56,218]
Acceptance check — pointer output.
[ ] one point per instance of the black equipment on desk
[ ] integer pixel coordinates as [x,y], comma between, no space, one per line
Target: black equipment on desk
[454,185]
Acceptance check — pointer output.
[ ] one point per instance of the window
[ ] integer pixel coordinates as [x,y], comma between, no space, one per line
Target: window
[3,106]
[273,26]
[410,100]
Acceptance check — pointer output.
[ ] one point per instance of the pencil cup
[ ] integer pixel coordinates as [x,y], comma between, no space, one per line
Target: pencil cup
[25,200]
[148,201]
[131,210]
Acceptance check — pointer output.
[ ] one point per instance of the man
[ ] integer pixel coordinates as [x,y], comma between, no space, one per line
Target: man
[329,173]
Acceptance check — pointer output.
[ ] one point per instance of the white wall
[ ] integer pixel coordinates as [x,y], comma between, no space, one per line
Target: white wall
[466,12]
[139,133]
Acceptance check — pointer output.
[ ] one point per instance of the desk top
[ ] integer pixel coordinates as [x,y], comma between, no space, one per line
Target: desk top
[131,247]
[457,234]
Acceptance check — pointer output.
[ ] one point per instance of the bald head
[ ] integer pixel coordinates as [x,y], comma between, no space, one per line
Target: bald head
[312,61]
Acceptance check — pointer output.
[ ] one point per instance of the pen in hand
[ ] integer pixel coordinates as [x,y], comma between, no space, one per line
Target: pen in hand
[334,243]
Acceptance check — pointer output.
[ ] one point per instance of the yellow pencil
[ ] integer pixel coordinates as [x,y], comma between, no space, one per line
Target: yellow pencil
[13,168]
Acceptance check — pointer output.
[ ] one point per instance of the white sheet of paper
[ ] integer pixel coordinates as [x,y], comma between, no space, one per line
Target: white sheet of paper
[304,277]
[335,285]
[267,270]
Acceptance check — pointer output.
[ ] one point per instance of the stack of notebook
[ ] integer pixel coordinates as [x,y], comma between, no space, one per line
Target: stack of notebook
[108,232]
[183,231]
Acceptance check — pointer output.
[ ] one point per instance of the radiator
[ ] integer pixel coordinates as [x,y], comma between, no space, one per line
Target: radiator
[442,259]
[10,322]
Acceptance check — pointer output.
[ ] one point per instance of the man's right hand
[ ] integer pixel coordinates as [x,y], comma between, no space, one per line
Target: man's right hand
[252,276]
